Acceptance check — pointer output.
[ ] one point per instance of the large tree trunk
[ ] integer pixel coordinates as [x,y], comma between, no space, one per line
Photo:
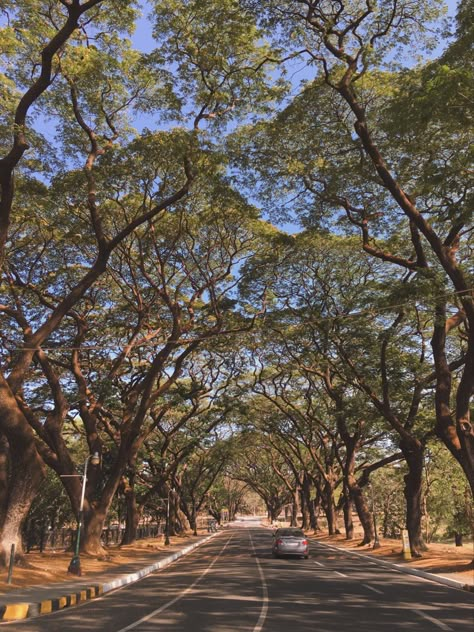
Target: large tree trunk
[91,542]
[174,523]
[459,438]
[347,509]
[329,508]
[294,508]
[315,511]
[351,443]
[363,512]
[273,509]
[23,487]
[3,476]
[308,516]
[305,516]
[313,520]
[413,452]
[95,513]
[133,513]
[27,471]
[193,521]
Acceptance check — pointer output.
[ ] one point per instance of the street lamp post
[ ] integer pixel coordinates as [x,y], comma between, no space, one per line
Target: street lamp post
[75,564]
[376,544]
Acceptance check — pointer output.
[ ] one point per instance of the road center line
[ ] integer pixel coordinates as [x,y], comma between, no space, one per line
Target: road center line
[432,620]
[264,609]
[178,597]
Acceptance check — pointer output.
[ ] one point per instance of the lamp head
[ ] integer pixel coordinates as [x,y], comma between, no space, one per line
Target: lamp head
[95,458]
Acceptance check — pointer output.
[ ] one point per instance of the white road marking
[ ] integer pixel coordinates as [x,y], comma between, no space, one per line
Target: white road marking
[319,564]
[264,609]
[341,574]
[432,620]
[375,590]
[178,597]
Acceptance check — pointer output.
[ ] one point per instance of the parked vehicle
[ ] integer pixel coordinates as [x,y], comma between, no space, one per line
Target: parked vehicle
[290,541]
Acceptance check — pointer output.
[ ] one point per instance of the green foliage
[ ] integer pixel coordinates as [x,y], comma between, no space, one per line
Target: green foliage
[153,358]
[220,57]
[448,497]
[388,501]
[51,509]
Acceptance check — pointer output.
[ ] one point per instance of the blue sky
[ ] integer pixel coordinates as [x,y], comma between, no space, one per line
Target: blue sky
[143,41]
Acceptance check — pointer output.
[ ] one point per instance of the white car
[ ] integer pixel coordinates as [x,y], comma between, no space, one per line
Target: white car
[290,541]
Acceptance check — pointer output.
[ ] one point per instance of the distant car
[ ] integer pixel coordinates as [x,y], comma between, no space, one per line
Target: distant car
[290,541]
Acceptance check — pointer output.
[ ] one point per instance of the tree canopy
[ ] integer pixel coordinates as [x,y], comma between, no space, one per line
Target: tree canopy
[256,230]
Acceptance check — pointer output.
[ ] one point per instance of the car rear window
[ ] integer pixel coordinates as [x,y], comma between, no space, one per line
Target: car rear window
[294,532]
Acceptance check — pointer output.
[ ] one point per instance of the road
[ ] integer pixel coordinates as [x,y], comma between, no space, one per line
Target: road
[232,584]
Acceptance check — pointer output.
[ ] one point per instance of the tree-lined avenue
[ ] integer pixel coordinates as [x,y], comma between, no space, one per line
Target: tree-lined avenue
[232,583]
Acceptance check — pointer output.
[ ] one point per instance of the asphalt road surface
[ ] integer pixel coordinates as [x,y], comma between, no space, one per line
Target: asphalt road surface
[232,584]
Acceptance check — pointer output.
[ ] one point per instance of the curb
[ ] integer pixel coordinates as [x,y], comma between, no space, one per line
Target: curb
[18,611]
[452,583]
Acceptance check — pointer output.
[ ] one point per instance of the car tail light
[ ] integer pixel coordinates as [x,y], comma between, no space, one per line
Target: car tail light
[279,541]
[305,542]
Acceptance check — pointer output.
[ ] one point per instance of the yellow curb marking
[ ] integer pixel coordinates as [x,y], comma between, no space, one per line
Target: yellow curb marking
[46,606]
[16,611]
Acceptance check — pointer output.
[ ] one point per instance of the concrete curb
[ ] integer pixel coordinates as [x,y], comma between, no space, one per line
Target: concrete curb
[133,577]
[18,611]
[452,583]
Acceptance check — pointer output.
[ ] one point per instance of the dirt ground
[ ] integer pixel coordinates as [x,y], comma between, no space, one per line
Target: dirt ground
[51,566]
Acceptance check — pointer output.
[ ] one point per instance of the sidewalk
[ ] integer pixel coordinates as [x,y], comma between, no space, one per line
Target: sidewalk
[29,601]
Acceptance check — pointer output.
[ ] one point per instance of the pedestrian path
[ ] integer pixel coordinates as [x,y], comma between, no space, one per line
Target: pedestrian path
[36,600]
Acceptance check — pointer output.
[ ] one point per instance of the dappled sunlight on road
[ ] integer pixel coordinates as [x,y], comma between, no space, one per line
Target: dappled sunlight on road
[232,584]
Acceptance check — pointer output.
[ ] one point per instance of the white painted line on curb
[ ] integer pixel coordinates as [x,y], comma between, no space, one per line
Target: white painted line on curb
[432,620]
[439,579]
[178,597]
[375,590]
[124,580]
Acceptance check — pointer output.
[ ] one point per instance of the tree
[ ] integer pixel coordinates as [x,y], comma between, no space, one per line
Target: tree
[342,360]
[98,81]
[255,467]
[408,221]
[34,330]
[199,474]
[447,506]
[184,438]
